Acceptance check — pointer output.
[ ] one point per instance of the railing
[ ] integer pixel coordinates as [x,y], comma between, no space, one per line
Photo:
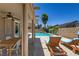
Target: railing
[10,47]
[9,52]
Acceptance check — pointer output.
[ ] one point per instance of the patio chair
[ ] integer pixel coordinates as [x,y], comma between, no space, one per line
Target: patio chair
[54,47]
[74,45]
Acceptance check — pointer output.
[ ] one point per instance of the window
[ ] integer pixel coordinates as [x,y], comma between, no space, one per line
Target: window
[17,29]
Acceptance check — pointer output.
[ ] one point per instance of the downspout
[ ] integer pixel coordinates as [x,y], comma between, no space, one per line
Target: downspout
[33,36]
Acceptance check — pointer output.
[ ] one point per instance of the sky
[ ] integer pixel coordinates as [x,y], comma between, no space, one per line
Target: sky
[58,13]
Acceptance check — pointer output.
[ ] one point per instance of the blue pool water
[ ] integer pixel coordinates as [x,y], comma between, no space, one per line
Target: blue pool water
[66,40]
[42,34]
[75,38]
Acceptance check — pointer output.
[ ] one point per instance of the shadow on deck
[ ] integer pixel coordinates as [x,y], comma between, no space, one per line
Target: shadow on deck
[35,47]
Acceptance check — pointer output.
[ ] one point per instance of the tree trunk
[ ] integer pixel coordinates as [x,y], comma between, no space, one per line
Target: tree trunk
[44,26]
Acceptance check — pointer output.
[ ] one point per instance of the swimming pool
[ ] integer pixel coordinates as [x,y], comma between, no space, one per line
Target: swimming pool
[63,39]
[42,34]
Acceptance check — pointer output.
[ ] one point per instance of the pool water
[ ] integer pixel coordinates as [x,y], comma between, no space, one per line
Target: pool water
[46,36]
[42,34]
[66,40]
[75,38]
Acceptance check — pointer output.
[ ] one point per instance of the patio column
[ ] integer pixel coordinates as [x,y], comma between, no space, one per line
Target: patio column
[33,24]
[25,31]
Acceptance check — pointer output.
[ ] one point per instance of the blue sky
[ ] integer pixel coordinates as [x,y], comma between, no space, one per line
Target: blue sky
[58,13]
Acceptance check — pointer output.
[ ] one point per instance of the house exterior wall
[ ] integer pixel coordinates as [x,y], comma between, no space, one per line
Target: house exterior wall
[31,17]
[69,32]
[25,13]
[2,29]
[7,25]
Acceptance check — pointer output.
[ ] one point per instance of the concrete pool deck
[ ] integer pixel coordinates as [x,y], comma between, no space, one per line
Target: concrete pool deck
[43,44]
[40,48]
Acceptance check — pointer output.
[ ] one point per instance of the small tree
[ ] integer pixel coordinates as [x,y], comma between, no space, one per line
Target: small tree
[53,29]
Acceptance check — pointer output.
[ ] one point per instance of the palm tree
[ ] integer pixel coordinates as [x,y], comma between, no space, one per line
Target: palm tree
[44,19]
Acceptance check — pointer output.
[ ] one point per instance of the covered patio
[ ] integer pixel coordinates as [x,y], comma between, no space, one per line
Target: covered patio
[16,21]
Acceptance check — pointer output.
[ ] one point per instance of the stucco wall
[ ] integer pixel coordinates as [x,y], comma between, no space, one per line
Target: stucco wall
[7,25]
[30,17]
[17,11]
[1,28]
[69,32]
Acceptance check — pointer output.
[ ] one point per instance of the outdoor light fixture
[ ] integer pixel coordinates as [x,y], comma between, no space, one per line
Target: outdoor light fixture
[9,15]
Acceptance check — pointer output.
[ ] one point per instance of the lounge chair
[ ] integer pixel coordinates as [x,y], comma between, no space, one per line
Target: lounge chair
[54,47]
[74,45]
